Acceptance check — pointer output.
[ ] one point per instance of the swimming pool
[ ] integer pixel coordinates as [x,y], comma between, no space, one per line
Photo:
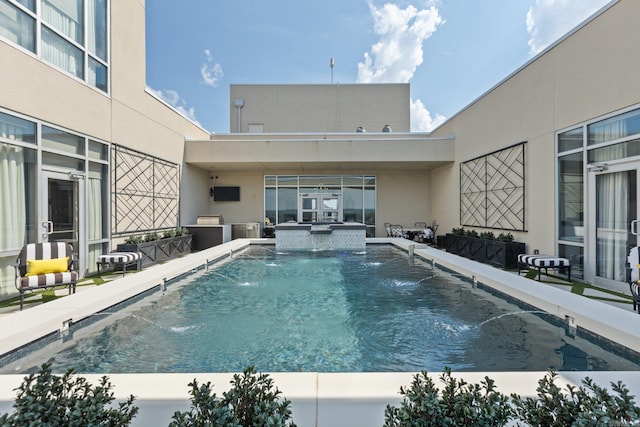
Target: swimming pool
[370,311]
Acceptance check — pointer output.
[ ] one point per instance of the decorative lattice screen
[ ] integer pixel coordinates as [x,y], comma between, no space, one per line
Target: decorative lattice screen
[145,192]
[492,190]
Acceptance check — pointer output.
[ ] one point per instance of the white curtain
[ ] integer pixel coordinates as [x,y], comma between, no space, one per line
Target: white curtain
[95,209]
[59,52]
[12,211]
[12,198]
[610,129]
[612,191]
[68,22]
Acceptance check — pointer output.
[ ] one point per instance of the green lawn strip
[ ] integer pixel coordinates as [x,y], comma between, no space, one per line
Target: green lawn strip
[579,289]
[49,294]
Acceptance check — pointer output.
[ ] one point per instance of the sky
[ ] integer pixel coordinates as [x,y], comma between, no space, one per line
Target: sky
[450,51]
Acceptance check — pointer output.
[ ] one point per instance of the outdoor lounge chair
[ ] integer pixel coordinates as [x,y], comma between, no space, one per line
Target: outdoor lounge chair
[398,231]
[539,261]
[120,260]
[45,265]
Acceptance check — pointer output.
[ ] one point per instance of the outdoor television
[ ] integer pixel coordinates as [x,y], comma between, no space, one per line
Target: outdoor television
[226,194]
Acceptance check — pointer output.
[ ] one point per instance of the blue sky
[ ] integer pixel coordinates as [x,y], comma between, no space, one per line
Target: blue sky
[451,51]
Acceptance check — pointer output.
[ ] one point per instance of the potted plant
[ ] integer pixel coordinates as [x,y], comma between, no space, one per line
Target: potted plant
[501,251]
[157,247]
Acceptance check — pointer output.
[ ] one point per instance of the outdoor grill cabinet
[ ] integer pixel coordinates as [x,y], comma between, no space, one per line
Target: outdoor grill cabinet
[247,230]
[206,236]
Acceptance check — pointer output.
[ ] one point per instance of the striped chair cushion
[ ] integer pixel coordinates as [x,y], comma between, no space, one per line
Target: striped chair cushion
[120,257]
[49,279]
[543,261]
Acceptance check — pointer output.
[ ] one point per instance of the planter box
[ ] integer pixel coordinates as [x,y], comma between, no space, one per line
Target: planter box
[160,250]
[493,252]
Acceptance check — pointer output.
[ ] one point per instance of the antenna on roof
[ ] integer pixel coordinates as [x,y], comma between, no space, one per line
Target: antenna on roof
[331,64]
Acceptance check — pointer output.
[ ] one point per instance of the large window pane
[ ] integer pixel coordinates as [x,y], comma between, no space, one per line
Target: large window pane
[614,151]
[270,205]
[97,75]
[66,16]
[62,141]
[615,127]
[18,129]
[17,27]
[18,194]
[98,151]
[97,201]
[369,206]
[97,28]
[65,162]
[320,181]
[570,197]
[62,53]
[575,255]
[288,180]
[570,140]
[352,204]
[287,205]
[29,4]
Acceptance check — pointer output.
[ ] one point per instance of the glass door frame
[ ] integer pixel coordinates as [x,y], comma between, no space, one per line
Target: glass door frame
[591,249]
[319,207]
[47,227]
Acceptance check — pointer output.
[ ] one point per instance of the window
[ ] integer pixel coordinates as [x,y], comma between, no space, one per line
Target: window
[615,127]
[357,193]
[17,26]
[17,129]
[73,34]
[570,140]
[570,197]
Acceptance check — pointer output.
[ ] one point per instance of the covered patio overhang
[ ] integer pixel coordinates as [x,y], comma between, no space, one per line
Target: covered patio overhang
[320,151]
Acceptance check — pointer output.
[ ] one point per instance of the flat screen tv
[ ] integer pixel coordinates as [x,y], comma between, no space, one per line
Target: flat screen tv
[226,194]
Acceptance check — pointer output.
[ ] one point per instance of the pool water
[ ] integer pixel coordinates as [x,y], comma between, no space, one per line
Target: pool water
[372,311]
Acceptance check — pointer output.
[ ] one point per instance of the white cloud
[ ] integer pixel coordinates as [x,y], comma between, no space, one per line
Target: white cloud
[548,20]
[402,32]
[211,71]
[172,98]
[398,53]
[421,120]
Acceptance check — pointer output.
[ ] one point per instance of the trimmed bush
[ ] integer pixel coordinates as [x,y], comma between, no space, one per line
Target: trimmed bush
[587,405]
[457,404]
[462,404]
[45,399]
[252,401]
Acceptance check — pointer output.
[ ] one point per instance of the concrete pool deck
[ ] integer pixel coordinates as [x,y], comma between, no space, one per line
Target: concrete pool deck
[318,399]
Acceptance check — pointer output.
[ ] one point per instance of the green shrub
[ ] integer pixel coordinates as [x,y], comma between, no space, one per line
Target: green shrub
[45,399]
[182,231]
[587,405]
[471,233]
[458,231]
[167,234]
[505,237]
[252,401]
[487,235]
[462,404]
[458,404]
[151,237]
[134,240]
